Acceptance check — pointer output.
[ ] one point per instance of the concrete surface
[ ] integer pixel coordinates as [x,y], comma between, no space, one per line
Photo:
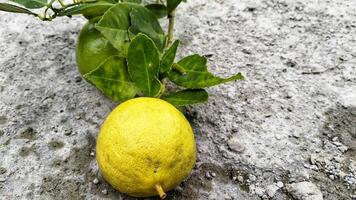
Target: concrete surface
[286,132]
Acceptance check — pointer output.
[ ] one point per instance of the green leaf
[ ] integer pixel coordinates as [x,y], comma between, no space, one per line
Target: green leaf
[186,97]
[133,1]
[118,19]
[143,63]
[158,9]
[157,87]
[132,32]
[172,4]
[32,4]
[110,1]
[15,9]
[114,24]
[89,10]
[112,78]
[191,72]
[168,58]
[143,21]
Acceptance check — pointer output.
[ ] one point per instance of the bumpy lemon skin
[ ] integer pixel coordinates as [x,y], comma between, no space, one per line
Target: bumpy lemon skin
[92,48]
[145,142]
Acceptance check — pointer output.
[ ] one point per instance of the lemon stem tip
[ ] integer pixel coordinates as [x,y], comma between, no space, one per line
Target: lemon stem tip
[160,192]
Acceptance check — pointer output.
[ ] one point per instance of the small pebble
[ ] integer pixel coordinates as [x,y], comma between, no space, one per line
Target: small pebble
[314,167]
[271,190]
[338,159]
[179,189]
[104,191]
[280,184]
[304,190]
[240,179]
[245,51]
[2,170]
[213,174]
[77,79]
[259,191]
[235,145]
[289,95]
[313,159]
[208,175]
[292,179]
[68,132]
[92,154]
[338,144]
[96,181]
[343,149]
[252,177]
[304,174]
[268,115]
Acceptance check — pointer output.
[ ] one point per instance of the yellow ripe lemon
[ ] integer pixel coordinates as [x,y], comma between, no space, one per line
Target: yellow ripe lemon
[145,147]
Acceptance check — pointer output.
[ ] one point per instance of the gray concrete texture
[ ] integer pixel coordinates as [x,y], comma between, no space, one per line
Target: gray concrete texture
[287,132]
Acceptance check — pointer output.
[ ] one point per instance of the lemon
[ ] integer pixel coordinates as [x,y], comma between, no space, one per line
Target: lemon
[92,48]
[145,147]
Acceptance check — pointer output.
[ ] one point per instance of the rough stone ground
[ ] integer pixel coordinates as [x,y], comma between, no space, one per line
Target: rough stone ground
[286,132]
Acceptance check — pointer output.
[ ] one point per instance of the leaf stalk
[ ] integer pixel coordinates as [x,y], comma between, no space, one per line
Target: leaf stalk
[160,191]
[62,3]
[171,17]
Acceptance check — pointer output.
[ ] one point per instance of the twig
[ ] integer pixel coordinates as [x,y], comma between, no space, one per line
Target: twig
[48,6]
[171,17]
[62,4]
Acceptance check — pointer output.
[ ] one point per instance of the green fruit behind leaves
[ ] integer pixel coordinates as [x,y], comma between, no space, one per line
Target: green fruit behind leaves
[92,49]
